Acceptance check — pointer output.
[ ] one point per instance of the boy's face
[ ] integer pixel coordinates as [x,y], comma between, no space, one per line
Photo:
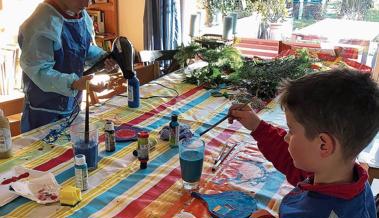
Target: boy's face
[75,5]
[304,152]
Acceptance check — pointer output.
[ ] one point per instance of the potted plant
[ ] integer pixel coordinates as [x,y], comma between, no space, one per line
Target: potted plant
[222,61]
[273,14]
[216,8]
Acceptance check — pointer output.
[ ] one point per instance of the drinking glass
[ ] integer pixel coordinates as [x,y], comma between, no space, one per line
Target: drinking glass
[191,155]
[90,149]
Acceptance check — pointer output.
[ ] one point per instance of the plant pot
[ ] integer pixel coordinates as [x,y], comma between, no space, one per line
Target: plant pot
[276,31]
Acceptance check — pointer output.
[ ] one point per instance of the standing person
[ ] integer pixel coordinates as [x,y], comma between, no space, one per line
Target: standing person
[332,116]
[56,41]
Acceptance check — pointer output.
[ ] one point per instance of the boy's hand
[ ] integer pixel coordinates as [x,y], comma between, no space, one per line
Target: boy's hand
[245,115]
[98,87]
[116,81]
[80,84]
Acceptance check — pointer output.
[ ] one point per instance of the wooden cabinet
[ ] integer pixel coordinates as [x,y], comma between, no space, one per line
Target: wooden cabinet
[12,106]
[110,22]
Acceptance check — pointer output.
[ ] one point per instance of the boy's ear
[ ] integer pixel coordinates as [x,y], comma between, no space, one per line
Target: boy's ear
[327,145]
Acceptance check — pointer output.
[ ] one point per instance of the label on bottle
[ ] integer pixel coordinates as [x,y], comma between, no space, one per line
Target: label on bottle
[5,140]
[130,93]
[110,141]
[81,177]
[143,151]
[174,136]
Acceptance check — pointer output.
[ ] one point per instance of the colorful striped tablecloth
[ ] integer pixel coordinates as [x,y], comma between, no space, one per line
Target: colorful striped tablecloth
[118,188]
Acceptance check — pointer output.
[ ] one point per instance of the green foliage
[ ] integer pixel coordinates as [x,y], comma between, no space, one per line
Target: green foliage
[355,9]
[271,10]
[258,77]
[186,53]
[300,24]
[230,58]
[221,61]
[224,6]
[261,78]
[372,15]
[209,77]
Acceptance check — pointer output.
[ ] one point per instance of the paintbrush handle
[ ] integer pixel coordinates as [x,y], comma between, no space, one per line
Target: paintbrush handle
[222,120]
[214,168]
[86,124]
[214,125]
[220,154]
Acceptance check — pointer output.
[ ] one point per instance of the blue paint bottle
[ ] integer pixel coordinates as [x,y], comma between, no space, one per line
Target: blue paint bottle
[133,92]
[81,172]
[174,131]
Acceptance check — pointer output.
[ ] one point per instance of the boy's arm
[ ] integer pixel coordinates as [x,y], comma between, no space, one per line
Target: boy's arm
[94,54]
[37,62]
[271,143]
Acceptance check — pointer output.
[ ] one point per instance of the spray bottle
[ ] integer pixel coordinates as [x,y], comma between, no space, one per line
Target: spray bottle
[5,137]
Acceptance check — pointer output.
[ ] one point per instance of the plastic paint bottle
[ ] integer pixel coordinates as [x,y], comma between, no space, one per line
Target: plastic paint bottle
[174,131]
[5,137]
[110,138]
[81,172]
[133,92]
[143,149]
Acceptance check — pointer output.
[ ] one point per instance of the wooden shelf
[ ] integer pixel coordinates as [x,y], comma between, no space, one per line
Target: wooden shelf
[106,36]
[111,20]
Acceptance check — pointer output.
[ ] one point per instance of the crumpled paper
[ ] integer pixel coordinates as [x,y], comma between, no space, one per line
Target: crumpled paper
[38,186]
[43,190]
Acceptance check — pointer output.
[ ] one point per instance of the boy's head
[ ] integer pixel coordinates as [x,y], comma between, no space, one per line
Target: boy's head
[73,5]
[340,103]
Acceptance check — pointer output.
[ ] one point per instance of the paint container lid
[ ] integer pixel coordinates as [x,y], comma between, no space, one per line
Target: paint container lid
[80,159]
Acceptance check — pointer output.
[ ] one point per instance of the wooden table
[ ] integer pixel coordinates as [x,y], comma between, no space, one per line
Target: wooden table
[119,188]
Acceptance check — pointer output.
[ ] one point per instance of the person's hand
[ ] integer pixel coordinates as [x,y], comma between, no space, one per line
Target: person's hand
[80,84]
[98,87]
[116,80]
[110,64]
[245,115]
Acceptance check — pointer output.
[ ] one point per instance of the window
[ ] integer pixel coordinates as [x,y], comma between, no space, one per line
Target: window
[351,23]
[9,27]
[10,72]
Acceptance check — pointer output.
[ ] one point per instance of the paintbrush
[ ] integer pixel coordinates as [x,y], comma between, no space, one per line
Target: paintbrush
[222,120]
[86,122]
[221,153]
[223,157]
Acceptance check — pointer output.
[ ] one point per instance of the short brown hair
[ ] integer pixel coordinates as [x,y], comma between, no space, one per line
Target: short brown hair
[340,102]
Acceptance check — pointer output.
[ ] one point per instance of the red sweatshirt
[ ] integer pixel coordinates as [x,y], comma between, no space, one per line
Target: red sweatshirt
[313,200]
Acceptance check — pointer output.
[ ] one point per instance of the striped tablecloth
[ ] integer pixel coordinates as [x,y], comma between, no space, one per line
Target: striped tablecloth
[118,188]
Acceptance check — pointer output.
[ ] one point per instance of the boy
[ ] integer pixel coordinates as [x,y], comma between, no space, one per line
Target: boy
[56,41]
[332,116]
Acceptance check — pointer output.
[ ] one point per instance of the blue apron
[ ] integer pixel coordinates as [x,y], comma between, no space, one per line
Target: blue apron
[76,40]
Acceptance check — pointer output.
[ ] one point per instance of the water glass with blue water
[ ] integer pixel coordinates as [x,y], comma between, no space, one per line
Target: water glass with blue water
[191,155]
[89,149]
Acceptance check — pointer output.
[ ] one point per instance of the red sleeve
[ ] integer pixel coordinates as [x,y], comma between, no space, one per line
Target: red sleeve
[271,143]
